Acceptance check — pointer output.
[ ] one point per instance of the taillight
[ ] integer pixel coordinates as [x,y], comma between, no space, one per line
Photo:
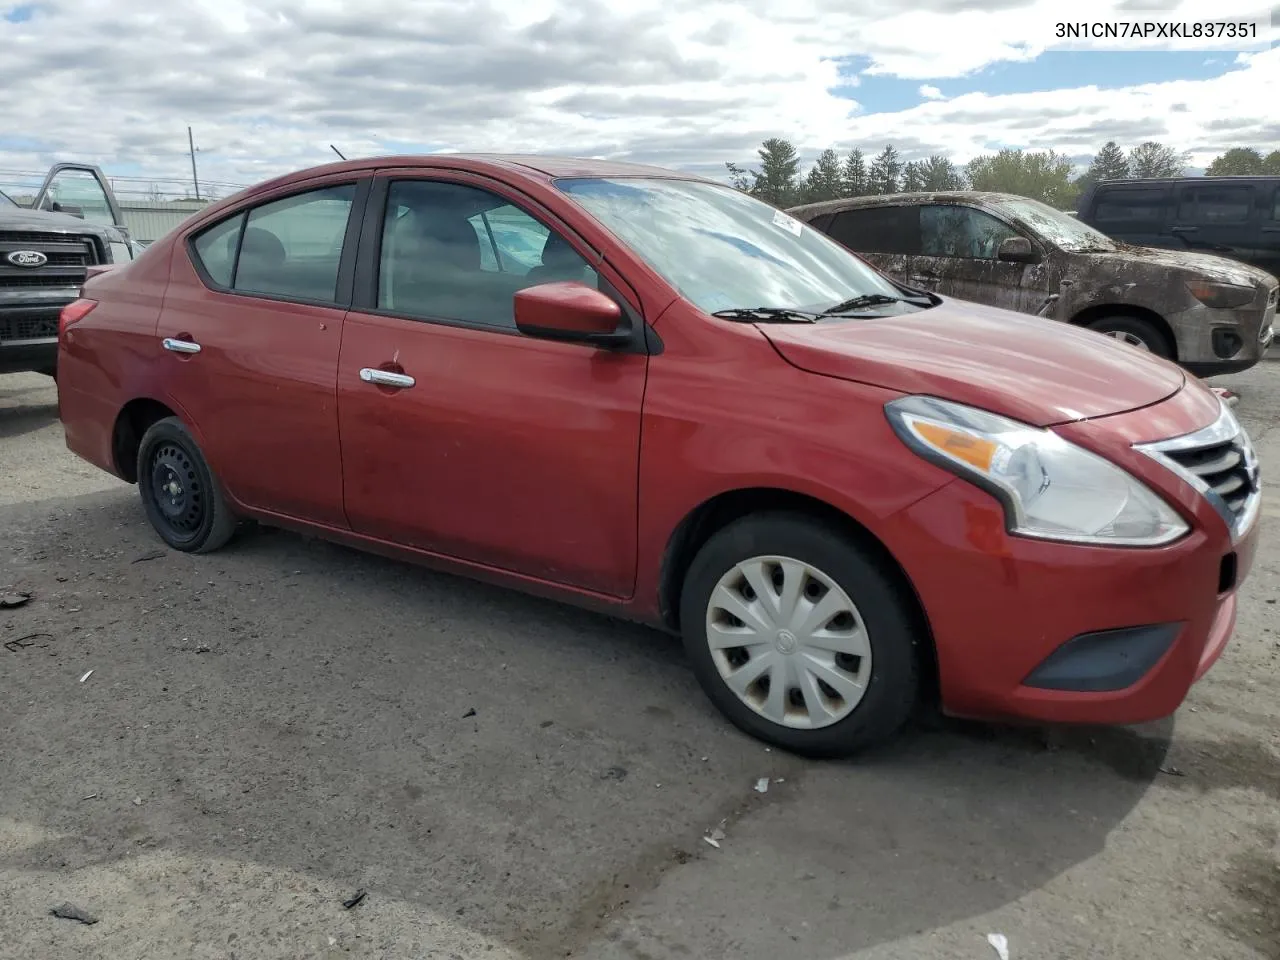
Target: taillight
[74,312]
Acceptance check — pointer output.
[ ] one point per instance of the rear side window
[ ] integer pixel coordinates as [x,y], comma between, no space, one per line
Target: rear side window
[892,230]
[288,248]
[1215,203]
[291,248]
[216,248]
[1130,206]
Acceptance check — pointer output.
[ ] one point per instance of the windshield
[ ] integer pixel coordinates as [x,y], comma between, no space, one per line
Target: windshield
[1063,231]
[722,249]
[6,200]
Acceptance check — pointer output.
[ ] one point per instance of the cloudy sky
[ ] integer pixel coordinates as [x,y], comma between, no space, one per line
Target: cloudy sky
[268,85]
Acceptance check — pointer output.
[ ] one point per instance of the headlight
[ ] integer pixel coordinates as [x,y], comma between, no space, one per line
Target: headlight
[1221,296]
[120,252]
[1051,489]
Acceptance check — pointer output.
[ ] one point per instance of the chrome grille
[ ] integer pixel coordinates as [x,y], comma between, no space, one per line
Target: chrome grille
[1220,462]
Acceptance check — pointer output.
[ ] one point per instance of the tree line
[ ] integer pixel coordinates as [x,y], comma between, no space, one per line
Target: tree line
[1044,175]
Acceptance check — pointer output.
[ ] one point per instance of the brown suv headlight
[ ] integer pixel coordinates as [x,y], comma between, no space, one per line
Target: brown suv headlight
[1221,296]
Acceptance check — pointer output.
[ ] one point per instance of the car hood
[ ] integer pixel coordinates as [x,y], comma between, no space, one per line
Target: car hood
[23,219]
[1038,371]
[1202,266]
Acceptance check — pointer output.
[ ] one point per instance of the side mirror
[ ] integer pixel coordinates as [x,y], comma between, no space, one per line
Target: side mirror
[1017,250]
[571,311]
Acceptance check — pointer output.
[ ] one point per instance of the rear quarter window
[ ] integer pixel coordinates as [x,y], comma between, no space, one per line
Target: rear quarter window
[1215,203]
[891,230]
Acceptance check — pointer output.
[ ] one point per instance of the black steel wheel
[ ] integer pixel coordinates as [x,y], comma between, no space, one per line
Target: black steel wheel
[180,494]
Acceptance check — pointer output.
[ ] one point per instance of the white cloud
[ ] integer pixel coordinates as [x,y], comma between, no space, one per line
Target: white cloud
[268,85]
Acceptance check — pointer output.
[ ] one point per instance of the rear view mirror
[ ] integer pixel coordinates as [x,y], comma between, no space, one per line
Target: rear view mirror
[572,311]
[1017,250]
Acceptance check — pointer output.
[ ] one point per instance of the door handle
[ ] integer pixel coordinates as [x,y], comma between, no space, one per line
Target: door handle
[386,378]
[1271,229]
[181,346]
[922,278]
[1184,229]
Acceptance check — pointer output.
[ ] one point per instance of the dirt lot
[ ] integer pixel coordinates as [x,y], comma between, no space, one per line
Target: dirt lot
[271,728]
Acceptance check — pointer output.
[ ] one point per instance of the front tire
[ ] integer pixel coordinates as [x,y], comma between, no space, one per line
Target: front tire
[799,638]
[180,494]
[1136,332]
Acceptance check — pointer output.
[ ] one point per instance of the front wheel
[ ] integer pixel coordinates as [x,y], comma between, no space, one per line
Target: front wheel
[1136,332]
[180,494]
[797,635]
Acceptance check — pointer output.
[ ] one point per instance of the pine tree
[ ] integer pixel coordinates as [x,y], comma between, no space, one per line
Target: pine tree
[885,171]
[777,181]
[853,178]
[913,177]
[941,174]
[823,181]
[1109,163]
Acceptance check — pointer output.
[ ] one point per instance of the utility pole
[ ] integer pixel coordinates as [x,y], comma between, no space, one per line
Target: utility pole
[195,177]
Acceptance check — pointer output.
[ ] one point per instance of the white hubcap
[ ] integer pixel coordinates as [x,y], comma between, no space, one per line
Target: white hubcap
[1131,339]
[788,642]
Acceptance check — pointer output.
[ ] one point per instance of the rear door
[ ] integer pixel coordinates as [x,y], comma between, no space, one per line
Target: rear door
[1218,218]
[460,435]
[251,328]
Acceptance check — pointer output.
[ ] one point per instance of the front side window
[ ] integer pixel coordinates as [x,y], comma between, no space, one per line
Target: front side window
[216,249]
[963,232]
[1212,203]
[457,252]
[721,248]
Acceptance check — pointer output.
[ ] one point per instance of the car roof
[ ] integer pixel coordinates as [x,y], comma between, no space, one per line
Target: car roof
[527,165]
[1231,178]
[893,199]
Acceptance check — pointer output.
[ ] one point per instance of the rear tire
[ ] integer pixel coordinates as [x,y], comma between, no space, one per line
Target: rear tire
[1138,333]
[181,496]
[825,620]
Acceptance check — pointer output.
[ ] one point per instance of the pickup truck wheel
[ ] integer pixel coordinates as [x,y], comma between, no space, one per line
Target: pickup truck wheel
[1137,333]
[797,635]
[180,494]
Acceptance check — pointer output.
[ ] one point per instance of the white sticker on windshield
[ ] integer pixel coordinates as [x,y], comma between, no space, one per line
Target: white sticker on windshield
[790,224]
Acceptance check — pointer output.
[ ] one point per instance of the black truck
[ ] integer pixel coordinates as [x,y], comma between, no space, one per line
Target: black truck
[46,249]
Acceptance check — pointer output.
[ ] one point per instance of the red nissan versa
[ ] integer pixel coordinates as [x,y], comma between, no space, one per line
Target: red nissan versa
[649,393]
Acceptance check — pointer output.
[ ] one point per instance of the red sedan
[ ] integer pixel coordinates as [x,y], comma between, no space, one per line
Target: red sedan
[649,393]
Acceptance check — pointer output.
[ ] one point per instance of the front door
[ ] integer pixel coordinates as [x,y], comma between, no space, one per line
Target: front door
[460,435]
[958,246]
[250,330]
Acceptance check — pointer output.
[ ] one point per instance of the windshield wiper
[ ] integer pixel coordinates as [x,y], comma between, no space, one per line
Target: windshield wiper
[767,315]
[872,300]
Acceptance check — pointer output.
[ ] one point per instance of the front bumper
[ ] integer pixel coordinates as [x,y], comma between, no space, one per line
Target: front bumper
[1067,633]
[29,334]
[1212,342]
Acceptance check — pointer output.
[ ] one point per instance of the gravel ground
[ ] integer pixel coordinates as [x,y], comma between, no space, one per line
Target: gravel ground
[271,728]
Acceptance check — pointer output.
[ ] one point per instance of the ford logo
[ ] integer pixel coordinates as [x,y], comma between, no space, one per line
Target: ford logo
[27,258]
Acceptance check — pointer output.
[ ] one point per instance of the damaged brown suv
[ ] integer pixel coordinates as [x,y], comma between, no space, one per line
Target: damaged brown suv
[1210,314]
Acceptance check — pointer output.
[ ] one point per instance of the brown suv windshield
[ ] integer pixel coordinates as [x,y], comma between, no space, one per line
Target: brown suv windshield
[1064,232]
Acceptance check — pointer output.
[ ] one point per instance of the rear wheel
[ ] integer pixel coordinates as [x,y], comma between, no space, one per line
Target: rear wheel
[797,635]
[1136,332]
[180,494]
